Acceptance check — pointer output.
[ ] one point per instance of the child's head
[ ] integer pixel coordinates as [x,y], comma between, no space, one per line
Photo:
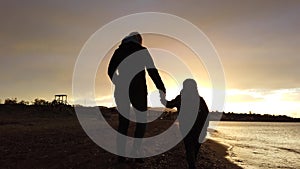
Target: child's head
[190,85]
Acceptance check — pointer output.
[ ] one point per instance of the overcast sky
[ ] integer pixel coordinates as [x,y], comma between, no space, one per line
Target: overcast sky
[257,41]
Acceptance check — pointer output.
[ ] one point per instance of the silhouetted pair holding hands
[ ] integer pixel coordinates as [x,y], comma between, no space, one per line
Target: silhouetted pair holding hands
[127,70]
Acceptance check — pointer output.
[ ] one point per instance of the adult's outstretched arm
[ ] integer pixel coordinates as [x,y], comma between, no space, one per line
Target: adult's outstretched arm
[153,72]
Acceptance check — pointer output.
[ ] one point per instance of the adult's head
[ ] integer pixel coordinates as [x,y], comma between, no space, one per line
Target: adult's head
[133,37]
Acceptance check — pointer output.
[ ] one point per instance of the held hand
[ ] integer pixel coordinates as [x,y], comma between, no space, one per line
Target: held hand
[163,98]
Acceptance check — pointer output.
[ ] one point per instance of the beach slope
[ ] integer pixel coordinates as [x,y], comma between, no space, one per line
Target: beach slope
[53,140]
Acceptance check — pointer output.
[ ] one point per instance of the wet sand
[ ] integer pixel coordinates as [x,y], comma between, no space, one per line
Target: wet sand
[50,141]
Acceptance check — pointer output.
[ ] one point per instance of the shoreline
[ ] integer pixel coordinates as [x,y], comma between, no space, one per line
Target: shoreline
[220,153]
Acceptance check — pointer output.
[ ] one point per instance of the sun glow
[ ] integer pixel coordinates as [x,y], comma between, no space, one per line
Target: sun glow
[274,102]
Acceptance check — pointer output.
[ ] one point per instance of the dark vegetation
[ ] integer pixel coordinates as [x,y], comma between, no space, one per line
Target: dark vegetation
[257,117]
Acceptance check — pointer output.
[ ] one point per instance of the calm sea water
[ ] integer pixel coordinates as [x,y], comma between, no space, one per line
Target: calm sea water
[260,144]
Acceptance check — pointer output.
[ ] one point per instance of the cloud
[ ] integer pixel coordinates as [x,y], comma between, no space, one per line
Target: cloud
[243,98]
[291,95]
[234,96]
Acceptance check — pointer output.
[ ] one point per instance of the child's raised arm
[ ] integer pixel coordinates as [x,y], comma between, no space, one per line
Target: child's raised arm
[174,103]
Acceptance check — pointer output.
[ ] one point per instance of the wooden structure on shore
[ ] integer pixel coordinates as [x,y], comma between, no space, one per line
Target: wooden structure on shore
[61,98]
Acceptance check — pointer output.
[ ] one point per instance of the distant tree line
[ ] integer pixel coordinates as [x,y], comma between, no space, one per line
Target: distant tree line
[37,101]
[257,117]
[230,116]
[37,106]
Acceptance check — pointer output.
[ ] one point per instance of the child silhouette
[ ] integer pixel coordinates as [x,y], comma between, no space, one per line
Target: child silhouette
[194,138]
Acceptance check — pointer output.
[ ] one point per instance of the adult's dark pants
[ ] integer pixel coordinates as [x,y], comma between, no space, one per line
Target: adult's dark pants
[138,100]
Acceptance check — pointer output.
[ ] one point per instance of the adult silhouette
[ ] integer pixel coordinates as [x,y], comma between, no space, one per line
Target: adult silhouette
[127,71]
[196,134]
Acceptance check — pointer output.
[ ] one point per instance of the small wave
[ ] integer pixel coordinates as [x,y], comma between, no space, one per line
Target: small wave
[256,152]
[289,149]
[210,130]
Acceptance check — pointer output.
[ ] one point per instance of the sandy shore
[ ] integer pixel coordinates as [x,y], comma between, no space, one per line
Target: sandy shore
[58,141]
